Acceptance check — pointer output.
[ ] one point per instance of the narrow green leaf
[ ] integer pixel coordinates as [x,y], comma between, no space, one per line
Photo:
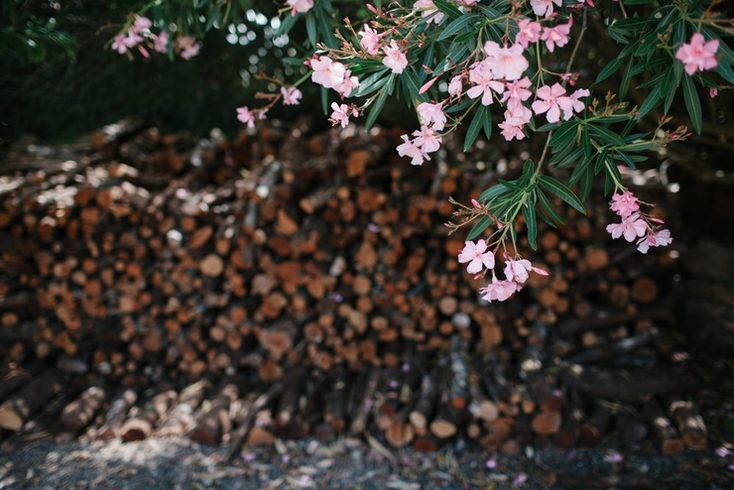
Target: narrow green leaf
[372,83]
[487,123]
[474,128]
[605,136]
[379,103]
[692,103]
[555,187]
[447,8]
[458,24]
[586,143]
[311,30]
[549,215]
[610,69]
[479,228]
[650,102]
[531,221]
[492,193]
[564,134]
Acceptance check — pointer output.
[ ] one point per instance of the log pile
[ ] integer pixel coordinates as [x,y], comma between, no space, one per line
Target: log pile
[280,285]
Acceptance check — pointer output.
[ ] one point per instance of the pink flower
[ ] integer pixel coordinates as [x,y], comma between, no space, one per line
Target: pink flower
[347,85]
[713,92]
[301,6]
[507,63]
[188,46]
[515,119]
[624,204]
[341,114]
[432,113]
[467,3]
[572,104]
[499,290]
[516,92]
[518,270]
[291,95]
[411,150]
[327,72]
[160,42]
[544,7]
[429,10]
[141,24]
[394,58]
[456,86]
[631,227]
[119,44]
[698,54]
[427,139]
[132,39]
[477,255]
[548,101]
[481,75]
[370,40]
[660,239]
[529,32]
[244,115]
[556,36]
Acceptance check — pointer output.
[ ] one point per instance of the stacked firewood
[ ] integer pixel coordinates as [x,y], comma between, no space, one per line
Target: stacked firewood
[281,285]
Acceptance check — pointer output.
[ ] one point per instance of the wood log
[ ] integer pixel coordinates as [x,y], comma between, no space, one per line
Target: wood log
[141,421]
[17,409]
[690,424]
[79,413]
[667,436]
[12,380]
[250,412]
[181,416]
[215,422]
[116,414]
[591,431]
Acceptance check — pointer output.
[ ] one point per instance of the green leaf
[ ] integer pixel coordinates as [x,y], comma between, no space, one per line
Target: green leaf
[587,183]
[474,128]
[555,187]
[488,195]
[724,69]
[550,215]
[447,8]
[610,69]
[372,83]
[487,122]
[379,103]
[650,102]
[692,103]
[531,221]
[564,134]
[311,30]
[458,24]
[479,228]
[606,136]
[586,143]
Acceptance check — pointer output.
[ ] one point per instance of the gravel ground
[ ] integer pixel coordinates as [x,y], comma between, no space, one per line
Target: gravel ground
[177,463]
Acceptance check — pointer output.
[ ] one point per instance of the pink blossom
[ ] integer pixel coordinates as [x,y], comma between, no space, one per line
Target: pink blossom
[481,75]
[370,40]
[456,86]
[660,239]
[327,72]
[341,114]
[517,92]
[624,204]
[160,42]
[411,150]
[467,3]
[516,117]
[713,93]
[518,270]
[141,24]
[477,255]
[429,9]
[427,139]
[507,63]
[548,101]
[499,290]
[291,95]
[432,114]
[118,44]
[301,6]
[347,85]
[132,39]
[244,115]
[394,58]
[698,54]
[529,32]
[572,104]
[556,36]
[188,46]
[544,7]
[631,227]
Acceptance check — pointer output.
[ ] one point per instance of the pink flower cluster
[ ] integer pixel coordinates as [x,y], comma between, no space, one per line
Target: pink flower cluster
[516,272]
[332,74]
[426,140]
[139,35]
[698,55]
[636,225]
[299,6]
